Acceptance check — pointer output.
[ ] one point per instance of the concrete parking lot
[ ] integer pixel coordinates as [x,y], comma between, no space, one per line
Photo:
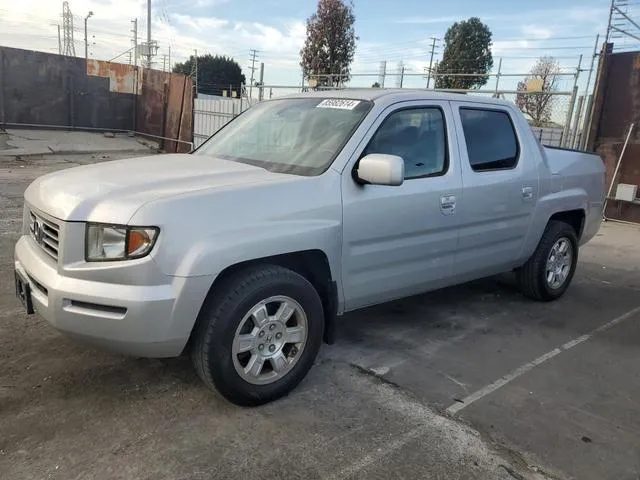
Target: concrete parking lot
[470,382]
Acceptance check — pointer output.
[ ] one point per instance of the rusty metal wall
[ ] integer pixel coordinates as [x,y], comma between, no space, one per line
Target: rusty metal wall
[616,106]
[186,120]
[48,89]
[621,103]
[55,90]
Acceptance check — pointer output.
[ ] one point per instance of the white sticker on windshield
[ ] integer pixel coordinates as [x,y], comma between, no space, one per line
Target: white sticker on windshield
[338,103]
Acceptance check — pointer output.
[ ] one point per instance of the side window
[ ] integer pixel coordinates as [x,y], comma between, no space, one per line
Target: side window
[418,136]
[491,139]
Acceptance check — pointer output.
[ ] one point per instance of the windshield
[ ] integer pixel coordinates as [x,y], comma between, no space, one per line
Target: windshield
[301,136]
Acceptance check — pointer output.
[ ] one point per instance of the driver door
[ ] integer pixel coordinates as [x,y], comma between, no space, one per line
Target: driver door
[400,241]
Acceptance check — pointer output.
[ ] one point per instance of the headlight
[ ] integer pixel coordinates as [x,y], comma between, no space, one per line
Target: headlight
[118,242]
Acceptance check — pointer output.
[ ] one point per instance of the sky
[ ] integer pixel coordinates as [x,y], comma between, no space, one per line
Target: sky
[391,31]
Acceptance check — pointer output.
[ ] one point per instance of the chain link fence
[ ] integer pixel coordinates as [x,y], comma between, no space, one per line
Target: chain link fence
[561,124]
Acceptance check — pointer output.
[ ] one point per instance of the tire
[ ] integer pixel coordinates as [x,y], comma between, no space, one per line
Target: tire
[226,327]
[533,276]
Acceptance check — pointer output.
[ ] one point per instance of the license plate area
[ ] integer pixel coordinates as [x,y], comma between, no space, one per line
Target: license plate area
[23,292]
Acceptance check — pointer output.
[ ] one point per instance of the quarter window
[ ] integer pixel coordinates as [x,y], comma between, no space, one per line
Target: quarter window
[418,136]
[491,139]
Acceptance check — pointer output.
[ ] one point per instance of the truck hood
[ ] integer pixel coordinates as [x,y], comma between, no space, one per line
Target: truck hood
[111,192]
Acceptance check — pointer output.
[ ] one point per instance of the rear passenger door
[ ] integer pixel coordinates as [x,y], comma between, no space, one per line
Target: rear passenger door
[499,189]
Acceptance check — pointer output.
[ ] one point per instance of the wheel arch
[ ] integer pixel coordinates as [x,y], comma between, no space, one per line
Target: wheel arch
[312,264]
[575,218]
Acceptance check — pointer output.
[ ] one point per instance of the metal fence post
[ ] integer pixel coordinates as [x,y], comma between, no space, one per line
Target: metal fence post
[566,136]
[567,124]
[2,70]
[576,122]
[584,114]
[586,124]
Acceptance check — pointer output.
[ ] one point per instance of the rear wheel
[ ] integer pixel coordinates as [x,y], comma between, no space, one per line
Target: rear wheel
[549,271]
[258,335]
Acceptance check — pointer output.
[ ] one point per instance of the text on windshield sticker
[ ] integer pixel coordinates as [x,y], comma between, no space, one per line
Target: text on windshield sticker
[338,103]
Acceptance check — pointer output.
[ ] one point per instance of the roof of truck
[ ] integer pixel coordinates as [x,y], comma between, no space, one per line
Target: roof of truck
[392,95]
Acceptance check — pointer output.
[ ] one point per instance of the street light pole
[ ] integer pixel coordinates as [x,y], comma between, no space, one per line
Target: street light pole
[86,39]
[149,33]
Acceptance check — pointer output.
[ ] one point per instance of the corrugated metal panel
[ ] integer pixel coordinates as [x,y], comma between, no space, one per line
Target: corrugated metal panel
[186,120]
[550,137]
[210,115]
[122,78]
[151,101]
[174,111]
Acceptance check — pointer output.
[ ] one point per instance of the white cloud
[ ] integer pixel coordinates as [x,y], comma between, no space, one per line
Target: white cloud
[32,24]
[432,20]
[200,23]
[537,32]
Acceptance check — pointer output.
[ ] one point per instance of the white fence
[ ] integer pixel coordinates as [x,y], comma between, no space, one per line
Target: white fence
[550,137]
[210,115]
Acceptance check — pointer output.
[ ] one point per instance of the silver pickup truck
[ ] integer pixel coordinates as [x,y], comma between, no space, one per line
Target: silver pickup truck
[244,252]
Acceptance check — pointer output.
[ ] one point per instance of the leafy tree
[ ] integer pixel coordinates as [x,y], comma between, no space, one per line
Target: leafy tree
[467,50]
[330,44]
[215,74]
[540,84]
[375,85]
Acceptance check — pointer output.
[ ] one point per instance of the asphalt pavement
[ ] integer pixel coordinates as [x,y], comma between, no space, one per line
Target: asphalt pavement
[470,382]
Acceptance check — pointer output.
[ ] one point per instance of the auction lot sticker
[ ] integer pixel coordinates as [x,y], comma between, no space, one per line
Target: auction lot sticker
[340,103]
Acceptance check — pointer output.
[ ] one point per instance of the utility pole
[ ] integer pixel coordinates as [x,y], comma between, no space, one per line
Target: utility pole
[59,41]
[68,47]
[606,40]
[383,73]
[253,58]
[433,49]
[261,83]
[496,94]
[149,33]
[135,41]
[169,57]
[587,103]
[194,72]
[86,38]
[400,80]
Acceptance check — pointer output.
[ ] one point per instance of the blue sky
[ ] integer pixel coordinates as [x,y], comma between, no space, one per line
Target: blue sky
[394,31]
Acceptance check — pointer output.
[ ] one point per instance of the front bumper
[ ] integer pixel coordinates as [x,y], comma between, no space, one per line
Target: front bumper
[140,320]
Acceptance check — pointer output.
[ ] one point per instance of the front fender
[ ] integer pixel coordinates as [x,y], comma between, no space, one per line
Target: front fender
[212,255]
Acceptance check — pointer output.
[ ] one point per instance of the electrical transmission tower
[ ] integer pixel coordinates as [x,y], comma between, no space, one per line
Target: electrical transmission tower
[620,22]
[68,47]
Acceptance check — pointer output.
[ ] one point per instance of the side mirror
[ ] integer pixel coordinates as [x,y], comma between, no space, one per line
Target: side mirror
[381,169]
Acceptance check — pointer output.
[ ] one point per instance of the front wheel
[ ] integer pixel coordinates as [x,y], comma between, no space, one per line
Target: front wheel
[258,335]
[549,271]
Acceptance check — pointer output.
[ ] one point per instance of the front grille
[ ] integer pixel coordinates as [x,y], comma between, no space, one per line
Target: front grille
[45,233]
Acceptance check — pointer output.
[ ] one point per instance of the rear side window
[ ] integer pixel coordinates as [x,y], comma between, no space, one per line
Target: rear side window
[491,139]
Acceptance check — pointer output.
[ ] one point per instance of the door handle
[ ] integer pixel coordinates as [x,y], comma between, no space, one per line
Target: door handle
[527,193]
[447,204]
